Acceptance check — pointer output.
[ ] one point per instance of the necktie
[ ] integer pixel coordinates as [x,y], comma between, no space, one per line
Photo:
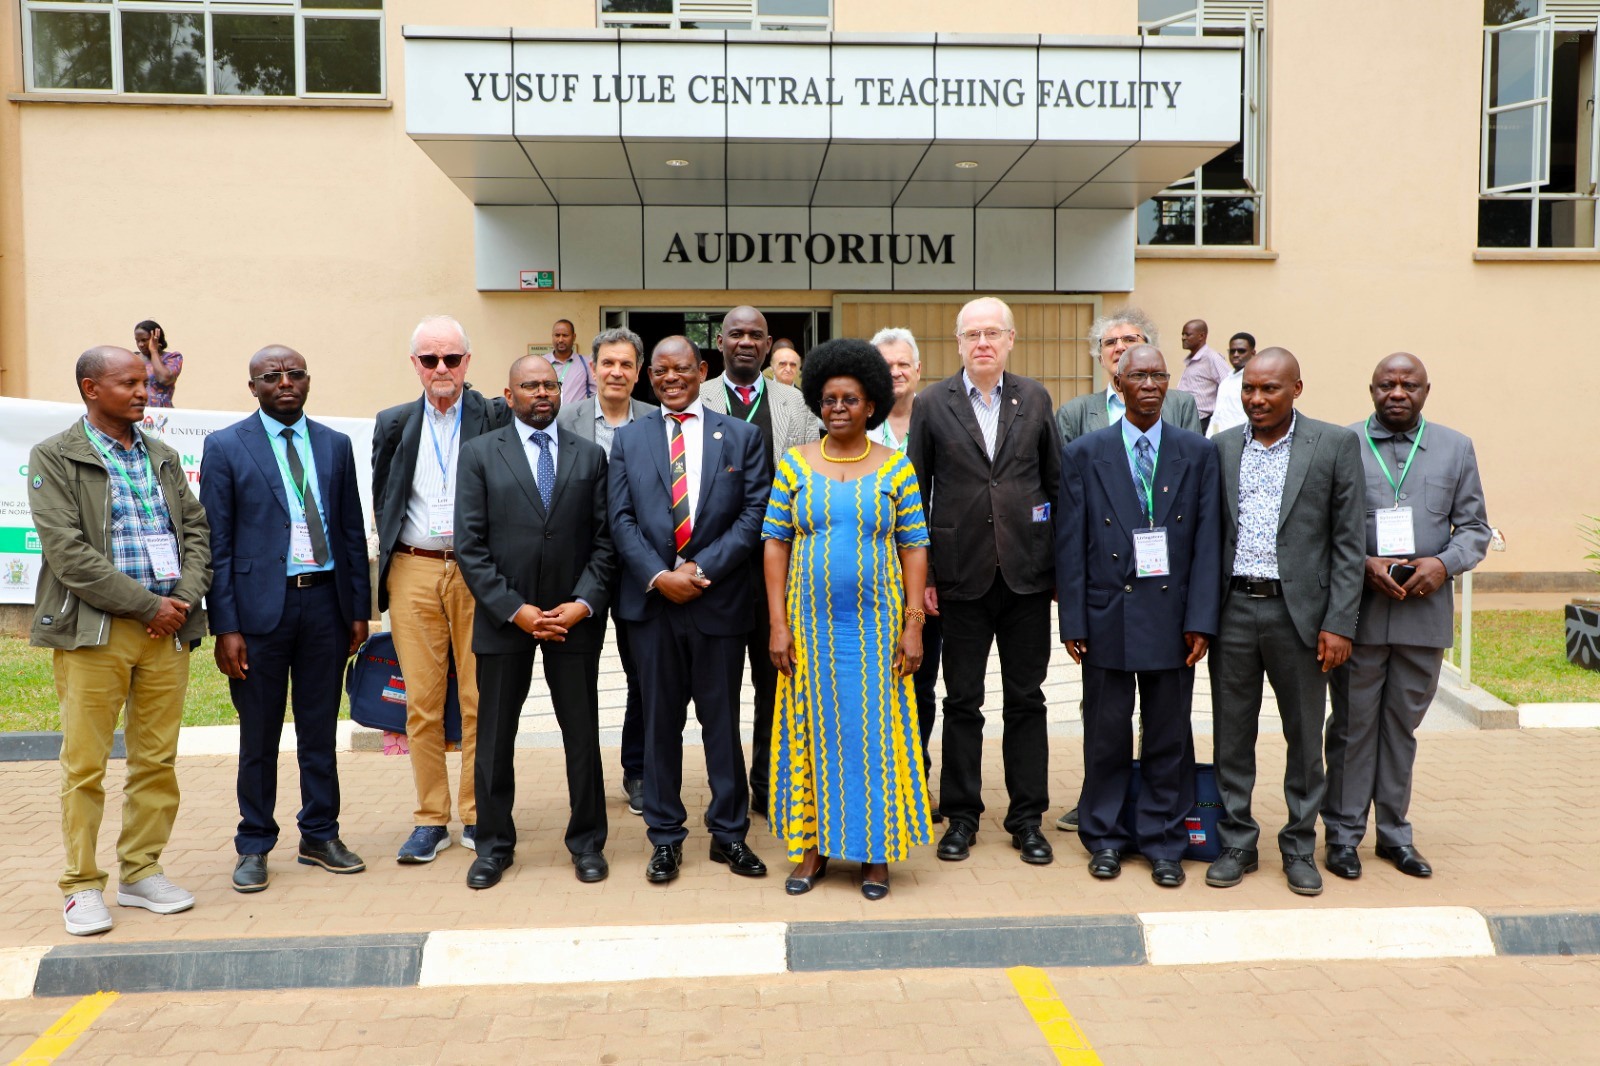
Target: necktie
[547,467]
[680,482]
[297,471]
[1144,464]
[747,393]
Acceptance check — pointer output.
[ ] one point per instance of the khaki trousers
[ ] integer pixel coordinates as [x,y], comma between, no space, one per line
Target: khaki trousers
[430,612]
[151,677]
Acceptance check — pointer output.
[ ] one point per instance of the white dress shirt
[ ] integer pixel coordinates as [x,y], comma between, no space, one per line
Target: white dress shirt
[531,450]
[986,409]
[430,482]
[694,431]
[1229,412]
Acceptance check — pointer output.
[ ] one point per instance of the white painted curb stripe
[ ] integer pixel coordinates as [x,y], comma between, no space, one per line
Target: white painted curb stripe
[1558,715]
[1186,939]
[603,953]
[18,969]
[224,739]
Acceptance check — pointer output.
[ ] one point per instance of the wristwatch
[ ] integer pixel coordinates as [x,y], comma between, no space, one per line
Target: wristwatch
[699,573]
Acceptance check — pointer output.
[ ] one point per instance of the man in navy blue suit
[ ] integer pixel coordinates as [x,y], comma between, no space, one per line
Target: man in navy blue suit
[1138,574]
[689,489]
[290,602]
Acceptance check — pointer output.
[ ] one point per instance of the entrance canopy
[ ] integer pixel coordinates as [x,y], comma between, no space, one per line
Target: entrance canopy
[638,160]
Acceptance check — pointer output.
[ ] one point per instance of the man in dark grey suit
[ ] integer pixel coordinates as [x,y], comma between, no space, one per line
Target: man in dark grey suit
[1109,337]
[617,355]
[1292,548]
[1425,512]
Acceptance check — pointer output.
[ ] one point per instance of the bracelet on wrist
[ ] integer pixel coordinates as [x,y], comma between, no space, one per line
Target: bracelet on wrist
[916,614]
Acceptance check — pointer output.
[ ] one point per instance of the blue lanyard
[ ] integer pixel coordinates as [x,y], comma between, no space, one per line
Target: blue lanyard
[438,452]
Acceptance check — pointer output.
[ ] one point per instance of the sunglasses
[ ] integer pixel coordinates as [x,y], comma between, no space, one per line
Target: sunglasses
[431,362]
[272,377]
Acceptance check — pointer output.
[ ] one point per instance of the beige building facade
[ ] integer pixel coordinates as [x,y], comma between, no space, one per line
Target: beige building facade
[1386,150]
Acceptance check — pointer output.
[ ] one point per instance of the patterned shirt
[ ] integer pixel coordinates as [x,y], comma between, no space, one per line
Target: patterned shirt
[133,488]
[605,432]
[1262,471]
[157,394]
[986,409]
[434,479]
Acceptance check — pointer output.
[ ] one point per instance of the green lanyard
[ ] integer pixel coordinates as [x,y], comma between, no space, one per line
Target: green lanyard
[301,486]
[1422,426]
[1148,487]
[127,478]
[761,394]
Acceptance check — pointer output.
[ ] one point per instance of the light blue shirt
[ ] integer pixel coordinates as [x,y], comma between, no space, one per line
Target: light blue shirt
[986,409]
[1115,407]
[531,450]
[1130,438]
[297,513]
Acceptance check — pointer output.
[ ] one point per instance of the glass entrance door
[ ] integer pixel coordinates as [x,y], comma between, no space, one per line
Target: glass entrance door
[804,327]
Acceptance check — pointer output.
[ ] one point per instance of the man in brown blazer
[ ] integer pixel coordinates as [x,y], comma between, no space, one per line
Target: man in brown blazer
[988,461]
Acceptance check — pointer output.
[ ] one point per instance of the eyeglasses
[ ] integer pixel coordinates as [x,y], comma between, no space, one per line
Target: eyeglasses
[538,386]
[1237,351]
[1126,338]
[431,362]
[1140,377]
[973,336]
[829,402]
[272,377]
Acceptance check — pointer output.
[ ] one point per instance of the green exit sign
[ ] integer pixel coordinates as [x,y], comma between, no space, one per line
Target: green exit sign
[533,280]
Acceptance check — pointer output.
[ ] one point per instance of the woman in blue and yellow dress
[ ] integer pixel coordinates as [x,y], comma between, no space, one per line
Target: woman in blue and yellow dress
[846,561]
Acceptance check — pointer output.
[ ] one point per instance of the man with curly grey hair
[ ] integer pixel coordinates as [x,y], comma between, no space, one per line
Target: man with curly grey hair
[1110,336]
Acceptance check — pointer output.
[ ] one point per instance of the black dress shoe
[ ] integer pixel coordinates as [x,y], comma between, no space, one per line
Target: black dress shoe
[331,855]
[591,867]
[1068,823]
[875,890]
[664,863]
[634,787]
[936,816]
[956,844]
[1343,860]
[1231,866]
[799,886]
[759,807]
[1304,877]
[485,871]
[1034,847]
[739,858]
[250,873]
[1168,873]
[1106,863]
[1406,859]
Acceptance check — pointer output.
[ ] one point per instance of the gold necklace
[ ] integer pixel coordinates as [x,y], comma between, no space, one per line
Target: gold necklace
[823,448]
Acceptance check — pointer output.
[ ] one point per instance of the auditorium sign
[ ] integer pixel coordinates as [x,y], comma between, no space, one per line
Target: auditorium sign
[641,160]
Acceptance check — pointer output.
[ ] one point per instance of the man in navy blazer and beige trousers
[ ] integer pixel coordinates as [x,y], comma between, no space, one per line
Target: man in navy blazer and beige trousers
[1138,574]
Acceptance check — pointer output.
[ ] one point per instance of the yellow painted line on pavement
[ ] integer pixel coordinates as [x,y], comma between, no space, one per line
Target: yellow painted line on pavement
[1070,1045]
[60,1036]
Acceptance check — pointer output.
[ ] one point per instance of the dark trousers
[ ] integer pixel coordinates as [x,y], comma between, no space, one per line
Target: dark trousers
[764,677]
[308,649]
[633,713]
[1166,764]
[1379,699]
[679,663]
[1020,625]
[503,682]
[926,684]
[1257,635]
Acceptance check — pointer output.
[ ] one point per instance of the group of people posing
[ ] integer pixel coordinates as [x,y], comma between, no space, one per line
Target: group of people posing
[844,537]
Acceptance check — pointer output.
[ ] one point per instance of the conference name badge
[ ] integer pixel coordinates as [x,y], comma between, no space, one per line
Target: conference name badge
[1150,552]
[162,548]
[441,518]
[300,544]
[1396,535]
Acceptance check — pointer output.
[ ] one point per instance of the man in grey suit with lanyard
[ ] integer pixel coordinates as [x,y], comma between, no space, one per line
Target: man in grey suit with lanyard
[785,422]
[1425,524]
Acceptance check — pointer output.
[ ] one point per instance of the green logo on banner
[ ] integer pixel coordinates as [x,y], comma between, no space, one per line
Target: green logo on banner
[19,541]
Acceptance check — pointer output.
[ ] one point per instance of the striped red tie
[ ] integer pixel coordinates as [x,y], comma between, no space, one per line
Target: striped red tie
[681,528]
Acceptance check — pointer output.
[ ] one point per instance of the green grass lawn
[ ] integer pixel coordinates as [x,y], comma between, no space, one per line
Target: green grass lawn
[28,703]
[1521,656]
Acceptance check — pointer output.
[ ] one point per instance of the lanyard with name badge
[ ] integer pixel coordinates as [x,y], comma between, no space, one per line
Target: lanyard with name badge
[160,547]
[300,550]
[442,511]
[1396,532]
[1149,545]
[761,394]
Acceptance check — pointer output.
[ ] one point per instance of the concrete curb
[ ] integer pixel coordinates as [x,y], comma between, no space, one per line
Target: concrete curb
[1485,709]
[755,949]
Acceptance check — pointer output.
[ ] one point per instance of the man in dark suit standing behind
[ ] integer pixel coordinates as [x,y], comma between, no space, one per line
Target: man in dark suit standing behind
[289,604]
[1292,549]
[689,490]
[1138,574]
[534,548]
[988,461]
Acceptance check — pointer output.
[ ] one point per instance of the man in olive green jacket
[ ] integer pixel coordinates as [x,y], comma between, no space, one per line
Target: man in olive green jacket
[127,558]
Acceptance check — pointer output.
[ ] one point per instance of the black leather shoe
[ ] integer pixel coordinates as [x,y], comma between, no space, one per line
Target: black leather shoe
[759,807]
[1106,863]
[739,858]
[1068,823]
[250,873]
[331,855]
[591,867]
[1343,860]
[634,787]
[1034,847]
[1304,877]
[799,886]
[1168,873]
[664,863]
[875,890]
[1231,866]
[1406,859]
[936,816]
[485,871]
[956,844]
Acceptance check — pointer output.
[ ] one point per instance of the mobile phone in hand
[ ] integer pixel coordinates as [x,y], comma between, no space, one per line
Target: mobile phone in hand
[1400,573]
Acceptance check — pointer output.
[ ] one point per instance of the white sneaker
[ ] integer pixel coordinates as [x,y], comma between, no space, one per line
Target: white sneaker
[155,893]
[85,913]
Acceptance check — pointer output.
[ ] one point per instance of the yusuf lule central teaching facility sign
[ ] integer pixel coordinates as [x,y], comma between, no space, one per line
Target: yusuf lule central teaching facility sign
[707,160]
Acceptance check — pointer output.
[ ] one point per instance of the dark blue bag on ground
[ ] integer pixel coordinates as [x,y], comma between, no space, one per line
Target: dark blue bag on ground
[1202,819]
[378,692]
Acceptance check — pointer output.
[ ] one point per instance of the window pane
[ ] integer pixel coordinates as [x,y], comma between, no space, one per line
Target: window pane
[792,7]
[1569,112]
[794,27]
[163,53]
[1500,12]
[1230,220]
[1513,137]
[715,25]
[1167,220]
[1156,10]
[1514,58]
[1226,171]
[253,55]
[348,5]
[636,7]
[71,50]
[1503,223]
[342,56]
[1566,223]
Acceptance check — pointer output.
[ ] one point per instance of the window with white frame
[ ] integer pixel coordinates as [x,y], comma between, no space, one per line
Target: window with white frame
[205,47]
[716,14]
[1540,146]
[1221,202]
